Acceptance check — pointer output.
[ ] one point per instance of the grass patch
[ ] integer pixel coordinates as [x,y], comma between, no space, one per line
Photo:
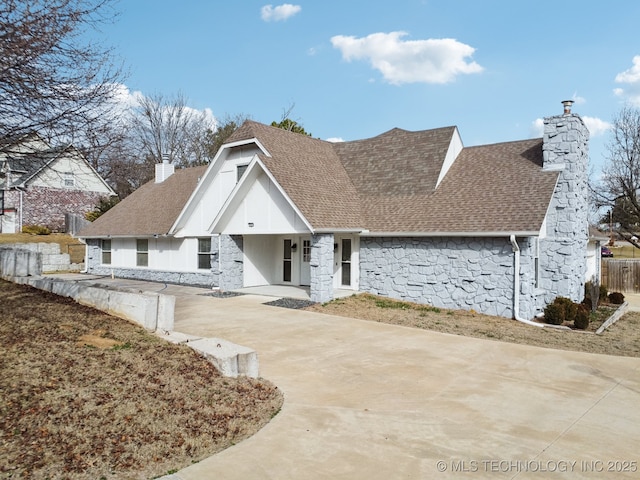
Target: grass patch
[68,244]
[623,338]
[135,410]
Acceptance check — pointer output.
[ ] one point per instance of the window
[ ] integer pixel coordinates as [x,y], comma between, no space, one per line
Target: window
[69,180]
[306,251]
[106,252]
[142,253]
[240,169]
[286,264]
[536,262]
[204,253]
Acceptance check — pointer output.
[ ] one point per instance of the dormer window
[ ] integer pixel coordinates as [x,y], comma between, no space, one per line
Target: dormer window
[68,180]
[240,169]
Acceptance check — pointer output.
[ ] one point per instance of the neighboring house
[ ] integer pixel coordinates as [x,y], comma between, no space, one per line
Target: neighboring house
[40,184]
[500,229]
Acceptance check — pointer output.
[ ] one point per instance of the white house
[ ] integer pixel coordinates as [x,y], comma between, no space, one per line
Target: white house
[501,228]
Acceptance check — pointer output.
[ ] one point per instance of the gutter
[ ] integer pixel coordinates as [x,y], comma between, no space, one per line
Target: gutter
[516,284]
[523,233]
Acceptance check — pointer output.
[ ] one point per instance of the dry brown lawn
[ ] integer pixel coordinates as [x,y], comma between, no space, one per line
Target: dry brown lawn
[84,395]
[67,243]
[623,338]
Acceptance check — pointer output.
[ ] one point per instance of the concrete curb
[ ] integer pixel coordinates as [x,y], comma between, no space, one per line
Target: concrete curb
[613,318]
[230,359]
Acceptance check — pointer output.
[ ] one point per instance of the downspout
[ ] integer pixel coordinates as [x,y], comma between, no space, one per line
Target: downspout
[516,284]
[20,217]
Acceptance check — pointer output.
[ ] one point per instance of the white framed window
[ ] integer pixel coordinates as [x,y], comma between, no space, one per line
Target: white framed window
[106,252]
[306,251]
[68,179]
[240,169]
[142,252]
[536,261]
[204,253]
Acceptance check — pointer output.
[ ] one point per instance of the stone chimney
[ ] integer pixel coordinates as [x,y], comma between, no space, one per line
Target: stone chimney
[565,149]
[164,170]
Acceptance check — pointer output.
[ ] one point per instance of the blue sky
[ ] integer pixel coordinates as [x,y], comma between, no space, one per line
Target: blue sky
[357,68]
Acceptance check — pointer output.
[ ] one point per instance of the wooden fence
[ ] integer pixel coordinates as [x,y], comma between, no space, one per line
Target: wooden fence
[621,275]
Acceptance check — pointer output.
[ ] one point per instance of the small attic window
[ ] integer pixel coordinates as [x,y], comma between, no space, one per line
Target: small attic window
[68,179]
[240,169]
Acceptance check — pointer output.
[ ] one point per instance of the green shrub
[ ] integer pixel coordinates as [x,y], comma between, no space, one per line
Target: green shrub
[554,314]
[36,230]
[582,318]
[603,293]
[570,308]
[560,310]
[616,298]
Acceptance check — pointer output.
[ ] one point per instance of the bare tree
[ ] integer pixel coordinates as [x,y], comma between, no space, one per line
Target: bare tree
[52,79]
[224,129]
[620,186]
[166,127]
[286,123]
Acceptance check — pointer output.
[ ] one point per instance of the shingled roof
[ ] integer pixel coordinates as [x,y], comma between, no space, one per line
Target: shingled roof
[489,189]
[388,183]
[311,173]
[385,184]
[150,210]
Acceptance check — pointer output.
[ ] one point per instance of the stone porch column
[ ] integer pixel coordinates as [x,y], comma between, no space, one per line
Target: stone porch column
[231,262]
[321,288]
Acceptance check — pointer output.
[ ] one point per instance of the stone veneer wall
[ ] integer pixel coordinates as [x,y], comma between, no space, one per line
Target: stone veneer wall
[563,251]
[321,287]
[231,262]
[200,279]
[459,273]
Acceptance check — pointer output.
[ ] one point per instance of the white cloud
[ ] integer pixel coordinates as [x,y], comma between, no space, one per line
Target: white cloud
[595,126]
[269,13]
[631,77]
[537,128]
[335,140]
[409,61]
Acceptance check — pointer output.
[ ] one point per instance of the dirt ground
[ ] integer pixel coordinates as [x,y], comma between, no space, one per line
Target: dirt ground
[88,396]
[623,338]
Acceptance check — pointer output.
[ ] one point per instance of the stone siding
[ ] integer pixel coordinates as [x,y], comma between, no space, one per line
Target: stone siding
[208,279]
[231,262]
[321,287]
[563,251]
[460,273]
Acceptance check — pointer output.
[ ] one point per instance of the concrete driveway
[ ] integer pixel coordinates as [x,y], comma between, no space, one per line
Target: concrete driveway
[373,401]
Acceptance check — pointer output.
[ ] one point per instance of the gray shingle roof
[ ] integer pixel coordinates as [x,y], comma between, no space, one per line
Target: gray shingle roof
[311,173]
[490,188]
[384,184]
[150,210]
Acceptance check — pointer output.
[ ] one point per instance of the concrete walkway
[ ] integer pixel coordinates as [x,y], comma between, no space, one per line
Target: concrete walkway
[373,401]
